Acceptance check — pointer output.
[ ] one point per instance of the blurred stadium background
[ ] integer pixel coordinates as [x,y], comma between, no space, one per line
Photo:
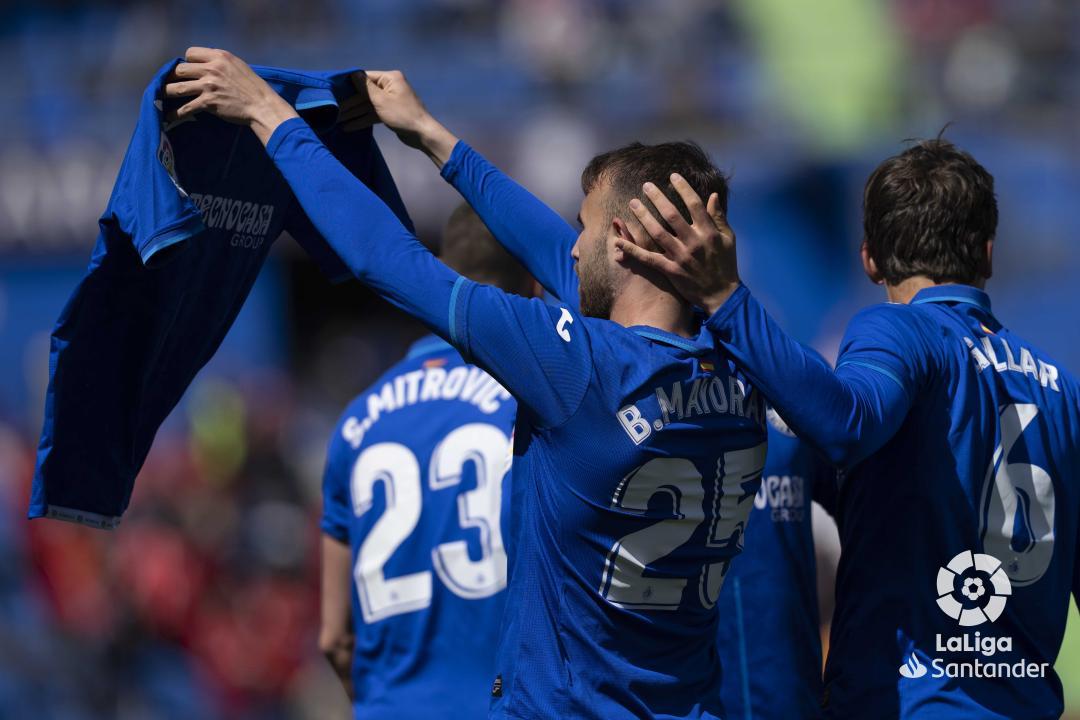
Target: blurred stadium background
[204,603]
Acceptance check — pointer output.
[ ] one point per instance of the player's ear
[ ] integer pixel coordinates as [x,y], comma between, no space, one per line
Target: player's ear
[621,231]
[870,267]
[988,271]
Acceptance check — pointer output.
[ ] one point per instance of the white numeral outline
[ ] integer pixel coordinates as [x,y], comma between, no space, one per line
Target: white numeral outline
[487,447]
[1018,492]
[624,582]
[396,467]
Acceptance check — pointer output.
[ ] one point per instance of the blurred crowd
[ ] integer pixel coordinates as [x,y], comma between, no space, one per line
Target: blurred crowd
[204,603]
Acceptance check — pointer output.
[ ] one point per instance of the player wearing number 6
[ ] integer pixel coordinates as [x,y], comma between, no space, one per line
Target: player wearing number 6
[413,560]
[638,449]
[958,436]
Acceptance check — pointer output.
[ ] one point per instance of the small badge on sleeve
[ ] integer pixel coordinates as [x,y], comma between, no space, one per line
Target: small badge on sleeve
[496,688]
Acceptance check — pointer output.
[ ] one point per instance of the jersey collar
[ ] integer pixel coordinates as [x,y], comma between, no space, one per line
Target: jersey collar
[427,345]
[701,345]
[953,294]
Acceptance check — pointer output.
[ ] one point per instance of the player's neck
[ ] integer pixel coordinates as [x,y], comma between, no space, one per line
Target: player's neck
[903,292]
[646,304]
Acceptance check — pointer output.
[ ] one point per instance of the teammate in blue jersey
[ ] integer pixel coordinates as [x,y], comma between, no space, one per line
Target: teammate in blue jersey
[194,211]
[769,627]
[413,561]
[637,452]
[960,512]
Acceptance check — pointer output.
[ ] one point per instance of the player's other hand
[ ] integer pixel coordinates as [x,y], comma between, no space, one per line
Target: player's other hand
[218,82]
[395,104]
[699,258]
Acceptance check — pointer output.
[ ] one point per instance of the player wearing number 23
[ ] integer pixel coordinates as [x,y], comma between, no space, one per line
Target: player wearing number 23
[638,448]
[414,498]
[957,436]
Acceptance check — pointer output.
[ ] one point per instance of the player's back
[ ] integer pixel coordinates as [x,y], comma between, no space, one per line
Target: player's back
[626,516]
[416,471]
[960,535]
[769,637]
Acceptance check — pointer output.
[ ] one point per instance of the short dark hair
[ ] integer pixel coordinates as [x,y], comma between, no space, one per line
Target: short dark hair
[627,168]
[469,247]
[930,211]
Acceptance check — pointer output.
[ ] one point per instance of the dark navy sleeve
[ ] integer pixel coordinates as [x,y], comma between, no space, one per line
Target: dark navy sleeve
[847,414]
[826,481]
[148,204]
[539,353]
[359,153]
[531,231]
[337,507]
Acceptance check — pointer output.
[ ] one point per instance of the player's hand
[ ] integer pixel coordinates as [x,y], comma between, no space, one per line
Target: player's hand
[699,258]
[221,83]
[397,106]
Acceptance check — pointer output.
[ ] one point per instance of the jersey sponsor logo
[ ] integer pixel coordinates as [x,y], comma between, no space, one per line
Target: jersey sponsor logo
[249,222]
[784,496]
[465,383]
[999,355]
[563,326]
[972,589]
[692,398]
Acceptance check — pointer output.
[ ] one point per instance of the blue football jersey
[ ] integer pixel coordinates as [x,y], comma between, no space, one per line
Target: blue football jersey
[415,484]
[191,219]
[768,615]
[637,456]
[959,511]
[770,636]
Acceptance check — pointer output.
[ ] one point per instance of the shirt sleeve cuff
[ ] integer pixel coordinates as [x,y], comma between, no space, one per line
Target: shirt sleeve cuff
[281,132]
[451,167]
[717,322]
[335,530]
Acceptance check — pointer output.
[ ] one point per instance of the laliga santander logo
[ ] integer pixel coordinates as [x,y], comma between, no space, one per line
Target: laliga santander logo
[913,668]
[972,588]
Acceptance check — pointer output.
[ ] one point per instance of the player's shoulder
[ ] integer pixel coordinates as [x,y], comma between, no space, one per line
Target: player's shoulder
[897,317]
[1020,349]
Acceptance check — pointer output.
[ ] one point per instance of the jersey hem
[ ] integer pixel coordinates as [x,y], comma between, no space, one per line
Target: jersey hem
[73,515]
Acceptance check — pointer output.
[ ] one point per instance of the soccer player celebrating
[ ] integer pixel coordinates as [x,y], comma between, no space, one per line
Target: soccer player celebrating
[413,561]
[637,452]
[960,511]
[768,608]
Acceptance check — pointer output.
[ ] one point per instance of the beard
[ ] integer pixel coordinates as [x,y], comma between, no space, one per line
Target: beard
[596,286]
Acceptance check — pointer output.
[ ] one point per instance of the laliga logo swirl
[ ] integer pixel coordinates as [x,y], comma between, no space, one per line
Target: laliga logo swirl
[982,585]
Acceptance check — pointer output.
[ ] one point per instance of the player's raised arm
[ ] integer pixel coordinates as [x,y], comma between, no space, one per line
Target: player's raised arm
[525,344]
[533,233]
[848,413]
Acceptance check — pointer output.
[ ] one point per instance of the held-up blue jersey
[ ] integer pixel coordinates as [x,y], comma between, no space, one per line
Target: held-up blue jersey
[770,637]
[960,508]
[192,216]
[637,455]
[415,484]
[769,641]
